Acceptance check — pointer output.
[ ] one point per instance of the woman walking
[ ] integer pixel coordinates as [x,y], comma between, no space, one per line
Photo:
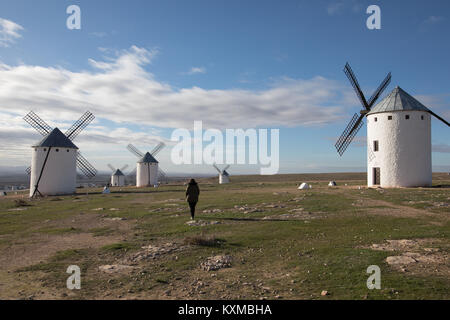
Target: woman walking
[192,193]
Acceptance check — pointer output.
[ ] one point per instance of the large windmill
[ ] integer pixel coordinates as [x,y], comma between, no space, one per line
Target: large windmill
[117,176]
[147,167]
[224,176]
[398,137]
[55,158]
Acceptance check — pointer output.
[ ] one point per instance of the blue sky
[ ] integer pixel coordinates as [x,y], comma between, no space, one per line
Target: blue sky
[265,64]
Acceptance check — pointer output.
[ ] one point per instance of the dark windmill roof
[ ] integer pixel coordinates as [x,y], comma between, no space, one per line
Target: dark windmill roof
[118,173]
[56,139]
[225,173]
[398,100]
[148,158]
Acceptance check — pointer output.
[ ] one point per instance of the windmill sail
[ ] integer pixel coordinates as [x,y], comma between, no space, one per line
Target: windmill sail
[349,133]
[79,125]
[135,151]
[85,167]
[37,123]
[356,122]
[351,76]
[157,149]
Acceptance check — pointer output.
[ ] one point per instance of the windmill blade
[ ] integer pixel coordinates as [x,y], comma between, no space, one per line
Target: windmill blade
[79,125]
[124,168]
[440,118]
[349,133]
[28,170]
[85,167]
[218,170]
[351,76]
[133,172]
[111,167]
[161,173]
[37,123]
[157,149]
[379,90]
[135,151]
[226,168]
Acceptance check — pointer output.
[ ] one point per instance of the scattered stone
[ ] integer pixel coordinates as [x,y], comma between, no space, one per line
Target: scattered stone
[114,209]
[212,211]
[324,293]
[98,209]
[201,223]
[115,219]
[153,252]
[216,263]
[400,260]
[115,268]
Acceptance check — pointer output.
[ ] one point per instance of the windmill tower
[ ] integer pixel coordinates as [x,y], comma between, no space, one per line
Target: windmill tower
[398,137]
[117,176]
[224,176]
[55,158]
[147,167]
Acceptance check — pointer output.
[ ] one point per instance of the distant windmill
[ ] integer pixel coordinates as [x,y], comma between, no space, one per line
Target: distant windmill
[117,177]
[224,176]
[147,167]
[398,137]
[55,158]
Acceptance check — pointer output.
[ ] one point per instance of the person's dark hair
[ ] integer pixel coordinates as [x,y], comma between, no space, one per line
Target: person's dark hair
[192,181]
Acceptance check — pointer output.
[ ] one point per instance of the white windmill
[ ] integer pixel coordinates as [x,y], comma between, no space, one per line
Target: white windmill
[55,158]
[147,167]
[224,176]
[117,176]
[398,137]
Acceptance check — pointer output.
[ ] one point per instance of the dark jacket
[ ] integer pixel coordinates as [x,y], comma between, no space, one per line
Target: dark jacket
[192,192]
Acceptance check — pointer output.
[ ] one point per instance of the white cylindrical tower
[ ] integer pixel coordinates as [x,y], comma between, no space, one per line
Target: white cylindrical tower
[147,171]
[399,142]
[53,166]
[224,178]
[118,179]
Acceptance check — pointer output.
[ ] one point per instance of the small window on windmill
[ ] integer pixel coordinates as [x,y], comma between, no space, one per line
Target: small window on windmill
[45,149]
[375,145]
[376,119]
[421,117]
[68,150]
[389,117]
[57,150]
[407,117]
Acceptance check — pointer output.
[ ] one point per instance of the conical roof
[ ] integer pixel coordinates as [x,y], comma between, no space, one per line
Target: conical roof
[398,100]
[118,173]
[225,173]
[56,139]
[148,158]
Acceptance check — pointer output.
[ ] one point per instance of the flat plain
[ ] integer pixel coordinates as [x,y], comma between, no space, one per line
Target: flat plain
[258,237]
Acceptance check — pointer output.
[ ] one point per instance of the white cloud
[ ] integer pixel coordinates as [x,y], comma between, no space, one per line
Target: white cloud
[433,19]
[196,70]
[98,34]
[121,90]
[9,32]
[339,7]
